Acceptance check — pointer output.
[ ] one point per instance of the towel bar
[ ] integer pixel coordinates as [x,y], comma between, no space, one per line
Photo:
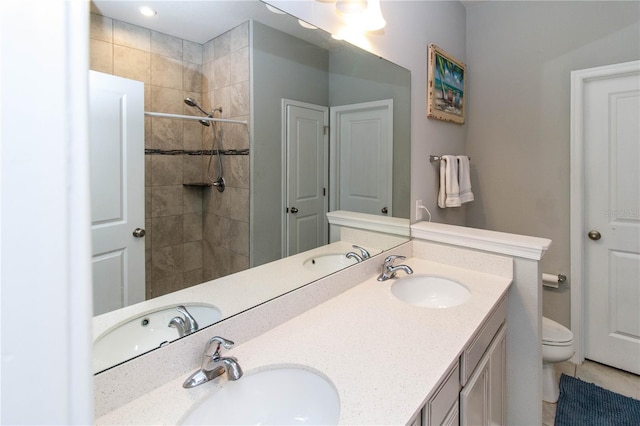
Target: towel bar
[434,158]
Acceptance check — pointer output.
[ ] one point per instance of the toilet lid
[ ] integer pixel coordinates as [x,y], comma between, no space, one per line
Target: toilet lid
[552,332]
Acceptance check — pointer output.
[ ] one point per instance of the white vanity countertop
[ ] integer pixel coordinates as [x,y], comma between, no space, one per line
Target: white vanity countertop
[385,357]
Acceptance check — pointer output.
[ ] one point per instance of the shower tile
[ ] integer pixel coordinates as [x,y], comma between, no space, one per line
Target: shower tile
[239,37]
[132,63]
[192,77]
[166,282]
[166,45]
[236,169]
[222,75]
[167,259]
[128,35]
[223,98]
[239,65]
[148,236]
[166,201]
[192,52]
[166,72]
[101,56]
[192,169]
[236,136]
[208,77]
[166,133]
[239,238]
[208,51]
[167,100]
[147,123]
[193,277]
[222,45]
[100,28]
[166,170]
[239,99]
[192,227]
[167,231]
[193,255]
[147,202]
[192,136]
[192,200]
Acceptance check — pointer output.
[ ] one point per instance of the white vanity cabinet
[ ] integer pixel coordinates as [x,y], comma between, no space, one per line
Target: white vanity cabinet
[473,391]
[482,399]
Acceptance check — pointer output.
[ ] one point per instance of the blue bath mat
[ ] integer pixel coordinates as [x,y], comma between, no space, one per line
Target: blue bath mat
[583,403]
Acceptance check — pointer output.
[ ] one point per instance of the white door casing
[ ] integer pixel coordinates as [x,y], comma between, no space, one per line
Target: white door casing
[305,176]
[362,135]
[605,198]
[116,137]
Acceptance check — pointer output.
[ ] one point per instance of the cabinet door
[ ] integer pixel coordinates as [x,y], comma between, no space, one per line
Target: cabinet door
[474,407]
[482,399]
[497,379]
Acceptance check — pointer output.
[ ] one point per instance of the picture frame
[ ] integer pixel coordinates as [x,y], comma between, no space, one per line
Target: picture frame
[446,84]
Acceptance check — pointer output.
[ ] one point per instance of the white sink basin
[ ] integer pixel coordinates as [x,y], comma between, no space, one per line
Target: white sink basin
[430,291]
[282,396]
[328,263]
[145,333]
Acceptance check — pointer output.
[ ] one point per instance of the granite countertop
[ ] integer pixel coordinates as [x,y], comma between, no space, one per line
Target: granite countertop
[384,357]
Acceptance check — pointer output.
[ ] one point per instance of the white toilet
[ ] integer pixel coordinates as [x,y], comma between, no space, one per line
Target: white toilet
[557,346]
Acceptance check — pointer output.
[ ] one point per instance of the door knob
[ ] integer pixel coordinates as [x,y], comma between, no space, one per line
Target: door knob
[139,232]
[384,210]
[594,235]
[294,210]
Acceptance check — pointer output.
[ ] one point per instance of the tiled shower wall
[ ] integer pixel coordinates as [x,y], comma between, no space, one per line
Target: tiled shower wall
[185,223]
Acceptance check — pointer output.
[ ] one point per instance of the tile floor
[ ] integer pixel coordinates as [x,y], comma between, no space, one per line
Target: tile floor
[604,376]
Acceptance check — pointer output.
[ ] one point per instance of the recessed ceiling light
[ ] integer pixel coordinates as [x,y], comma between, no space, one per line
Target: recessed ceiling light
[147,11]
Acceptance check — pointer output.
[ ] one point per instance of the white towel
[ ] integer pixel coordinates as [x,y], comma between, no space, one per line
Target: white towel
[464,179]
[449,194]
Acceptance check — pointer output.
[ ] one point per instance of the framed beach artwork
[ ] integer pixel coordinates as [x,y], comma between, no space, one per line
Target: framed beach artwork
[445,86]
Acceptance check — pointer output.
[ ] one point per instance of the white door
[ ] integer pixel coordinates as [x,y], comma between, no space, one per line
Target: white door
[116,138]
[305,176]
[611,123]
[362,135]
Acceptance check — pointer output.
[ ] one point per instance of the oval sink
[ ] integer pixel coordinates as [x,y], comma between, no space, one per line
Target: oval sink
[430,291]
[282,396]
[144,333]
[327,263]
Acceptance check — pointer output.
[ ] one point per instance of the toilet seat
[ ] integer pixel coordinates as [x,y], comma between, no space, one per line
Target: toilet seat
[555,334]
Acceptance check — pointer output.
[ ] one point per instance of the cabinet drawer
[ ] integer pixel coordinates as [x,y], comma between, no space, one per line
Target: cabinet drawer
[439,406]
[471,356]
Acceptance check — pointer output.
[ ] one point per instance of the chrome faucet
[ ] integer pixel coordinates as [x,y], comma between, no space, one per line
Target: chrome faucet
[389,271]
[364,254]
[353,255]
[186,325]
[213,365]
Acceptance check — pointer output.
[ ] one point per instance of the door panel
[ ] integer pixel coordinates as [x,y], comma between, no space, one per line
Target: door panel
[306,177]
[362,135]
[612,208]
[116,126]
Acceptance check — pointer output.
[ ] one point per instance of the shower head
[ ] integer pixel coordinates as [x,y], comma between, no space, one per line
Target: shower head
[192,103]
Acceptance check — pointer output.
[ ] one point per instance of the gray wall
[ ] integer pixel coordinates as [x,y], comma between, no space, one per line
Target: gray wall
[358,76]
[519,57]
[283,67]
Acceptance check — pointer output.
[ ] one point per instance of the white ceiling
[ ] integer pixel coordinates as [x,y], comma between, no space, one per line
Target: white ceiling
[196,20]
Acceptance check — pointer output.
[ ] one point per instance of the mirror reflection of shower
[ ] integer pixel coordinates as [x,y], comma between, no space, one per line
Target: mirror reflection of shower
[218,182]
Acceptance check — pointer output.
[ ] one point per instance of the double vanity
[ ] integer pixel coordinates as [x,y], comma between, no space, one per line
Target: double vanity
[421,348]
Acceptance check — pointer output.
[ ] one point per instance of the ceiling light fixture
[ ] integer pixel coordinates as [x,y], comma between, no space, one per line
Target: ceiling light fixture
[147,11]
[363,15]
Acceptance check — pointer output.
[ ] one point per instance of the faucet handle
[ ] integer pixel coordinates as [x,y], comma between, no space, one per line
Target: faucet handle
[363,252]
[227,344]
[388,261]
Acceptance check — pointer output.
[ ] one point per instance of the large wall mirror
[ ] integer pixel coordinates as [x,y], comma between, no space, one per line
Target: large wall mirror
[327,126]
